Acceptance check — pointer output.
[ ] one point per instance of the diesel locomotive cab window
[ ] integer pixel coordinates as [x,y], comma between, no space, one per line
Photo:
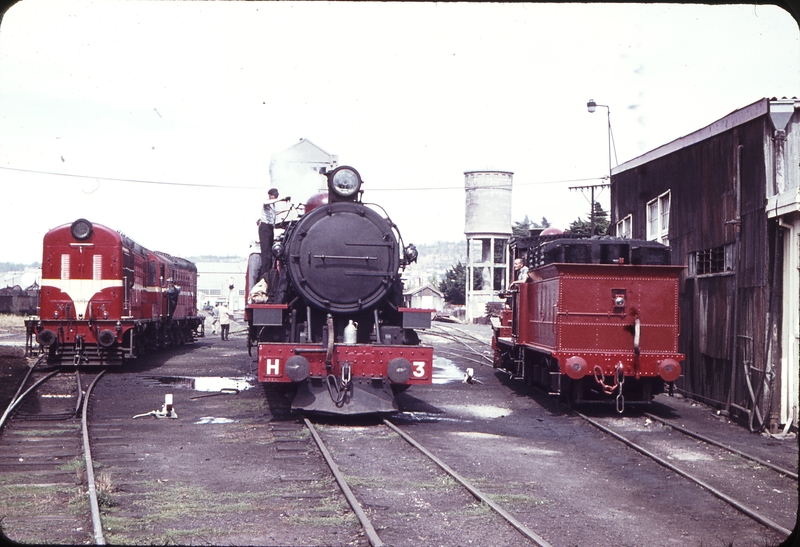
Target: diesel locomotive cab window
[153,273]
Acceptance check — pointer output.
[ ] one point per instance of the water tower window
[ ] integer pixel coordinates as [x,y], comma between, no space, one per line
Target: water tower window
[499,251]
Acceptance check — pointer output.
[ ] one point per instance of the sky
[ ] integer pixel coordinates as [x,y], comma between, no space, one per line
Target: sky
[159,119]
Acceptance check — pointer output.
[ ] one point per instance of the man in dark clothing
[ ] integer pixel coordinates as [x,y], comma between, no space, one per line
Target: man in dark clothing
[266,231]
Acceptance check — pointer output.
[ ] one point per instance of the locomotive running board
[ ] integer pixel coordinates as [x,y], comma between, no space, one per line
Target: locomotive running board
[362,398]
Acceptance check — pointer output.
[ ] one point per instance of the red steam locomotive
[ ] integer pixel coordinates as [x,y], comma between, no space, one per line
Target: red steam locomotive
[105,298]
[328,319]
[597,320]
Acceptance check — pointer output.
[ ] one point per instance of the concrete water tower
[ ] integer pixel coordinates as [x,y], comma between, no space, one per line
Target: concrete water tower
[487,227]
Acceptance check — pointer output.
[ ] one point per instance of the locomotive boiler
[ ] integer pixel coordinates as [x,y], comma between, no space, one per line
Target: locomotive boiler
[104,298]
[328,320]
[597,320]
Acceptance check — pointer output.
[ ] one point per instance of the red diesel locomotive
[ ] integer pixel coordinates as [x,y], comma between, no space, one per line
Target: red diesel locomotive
[330,324]
[104,298]
[597,320]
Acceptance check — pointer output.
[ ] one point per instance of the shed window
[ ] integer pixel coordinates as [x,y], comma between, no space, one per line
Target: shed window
[711,261]
[625,227]
[658,218]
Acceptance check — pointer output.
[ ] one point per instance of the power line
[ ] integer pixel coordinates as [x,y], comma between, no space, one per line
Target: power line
[258,188]
[165,183]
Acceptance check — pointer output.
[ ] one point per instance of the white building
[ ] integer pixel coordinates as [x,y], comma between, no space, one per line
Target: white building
[488,228]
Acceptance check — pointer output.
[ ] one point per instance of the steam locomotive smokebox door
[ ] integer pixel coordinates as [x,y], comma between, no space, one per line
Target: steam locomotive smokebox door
[343,257]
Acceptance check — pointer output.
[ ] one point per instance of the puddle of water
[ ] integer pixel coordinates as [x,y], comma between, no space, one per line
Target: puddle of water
[478,435]
[479,411]
[213,420]
[207,383]
[425,417]
[445,371]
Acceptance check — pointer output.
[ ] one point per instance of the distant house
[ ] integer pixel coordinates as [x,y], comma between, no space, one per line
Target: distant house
[425,297]
[219,282]
[726,200]
[296,171]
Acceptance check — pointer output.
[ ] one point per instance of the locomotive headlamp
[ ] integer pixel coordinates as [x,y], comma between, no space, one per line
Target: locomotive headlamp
[81,229]
[277,249]
[344,182]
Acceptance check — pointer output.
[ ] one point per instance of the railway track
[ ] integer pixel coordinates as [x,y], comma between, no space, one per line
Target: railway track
[761,490]
[46,471]
[465,345]
[767,495]
[435,504]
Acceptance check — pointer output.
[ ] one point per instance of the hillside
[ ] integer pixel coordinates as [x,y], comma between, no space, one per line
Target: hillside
[434,260]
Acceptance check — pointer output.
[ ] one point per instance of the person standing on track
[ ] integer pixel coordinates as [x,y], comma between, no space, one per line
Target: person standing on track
[266,231]
[225,317]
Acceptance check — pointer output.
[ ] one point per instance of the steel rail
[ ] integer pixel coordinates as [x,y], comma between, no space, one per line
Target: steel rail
[455,338]
[524,530]
[24,380]
[17,400]
[705,439]
[460,355]
[724,497]
[372,535]
[97,524]
[464,334]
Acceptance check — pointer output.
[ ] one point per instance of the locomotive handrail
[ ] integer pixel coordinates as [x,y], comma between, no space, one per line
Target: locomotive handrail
[593,314]
[323,257]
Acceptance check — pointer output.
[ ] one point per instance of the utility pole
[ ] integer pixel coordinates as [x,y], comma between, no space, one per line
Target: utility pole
[592,188]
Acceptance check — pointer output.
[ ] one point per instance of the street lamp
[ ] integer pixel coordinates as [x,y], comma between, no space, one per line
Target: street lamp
[592,106]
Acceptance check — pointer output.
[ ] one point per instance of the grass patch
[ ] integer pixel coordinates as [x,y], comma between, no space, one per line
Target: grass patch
[477,509]
[45,432]
[75,464]
[328,512]
[518,499]
[169,501]
[348,519]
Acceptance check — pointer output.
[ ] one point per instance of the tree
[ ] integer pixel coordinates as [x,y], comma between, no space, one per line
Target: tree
[454,284]
[522,229]
[584,227]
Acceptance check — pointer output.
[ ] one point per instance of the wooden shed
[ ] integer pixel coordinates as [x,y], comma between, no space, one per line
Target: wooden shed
[726,199]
